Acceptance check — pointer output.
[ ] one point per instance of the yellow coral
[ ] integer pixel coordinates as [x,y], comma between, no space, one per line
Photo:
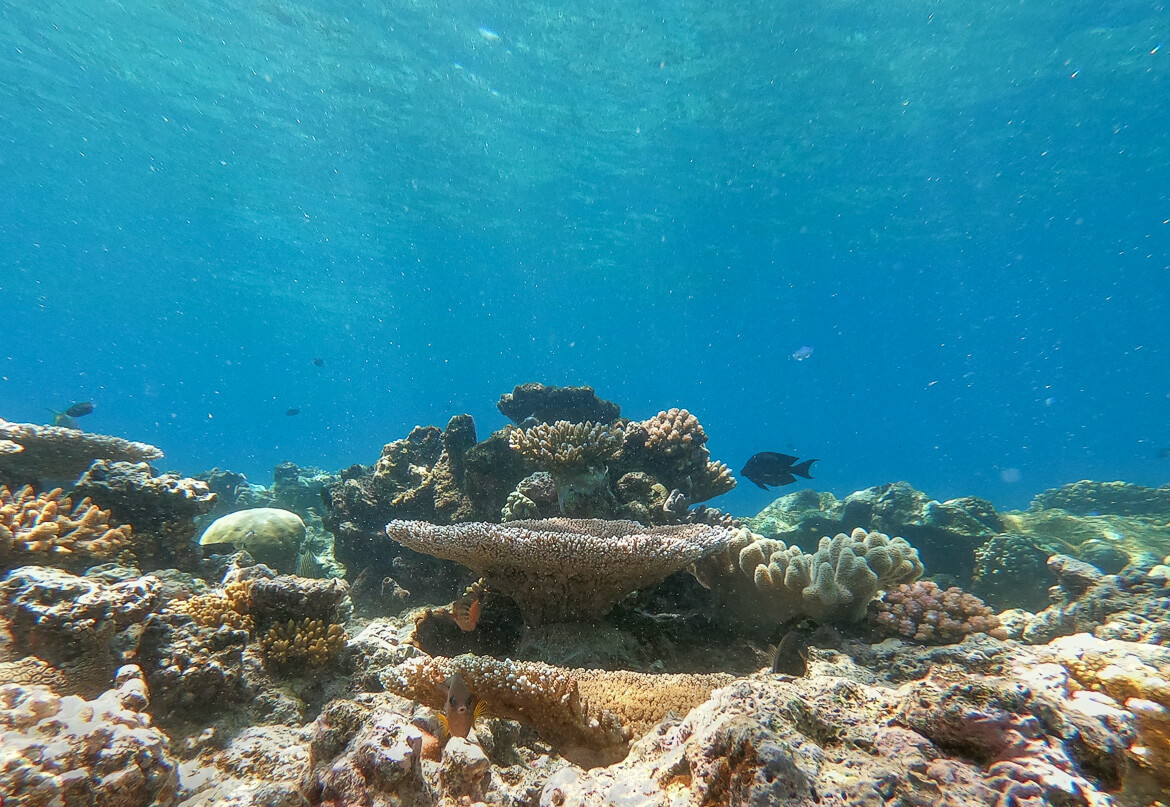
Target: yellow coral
[310,640]
[564,445]
[47,528]
[229,607]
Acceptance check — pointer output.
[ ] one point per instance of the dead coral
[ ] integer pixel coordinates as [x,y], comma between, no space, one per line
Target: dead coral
[309,640]
[32,453]
[589,715]
[561,569]
[48,529]
[563,446]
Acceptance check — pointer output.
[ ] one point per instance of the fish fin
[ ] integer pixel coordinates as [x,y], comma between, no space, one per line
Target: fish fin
[443,722]
[480,710]
[759,485]
[803,469]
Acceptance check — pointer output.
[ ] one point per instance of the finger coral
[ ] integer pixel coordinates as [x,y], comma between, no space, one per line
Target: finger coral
[228,607]
[589,715]
[562,569]
[925,613]
[309,640]
[835,583]
[563,445]
[48,529]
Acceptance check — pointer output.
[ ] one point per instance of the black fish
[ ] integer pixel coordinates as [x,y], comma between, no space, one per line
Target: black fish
[791,655]
[1164,454]
[770,468]
[292,412]
[318,362]
[80,409]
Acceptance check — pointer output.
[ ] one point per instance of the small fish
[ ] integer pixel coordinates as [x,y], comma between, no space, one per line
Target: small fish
[461,709]
[791,655]
[770,468]
[466,609]
[1164,454]
[291,412]
[318,362]
[63,420]
[803,352]
[81,409]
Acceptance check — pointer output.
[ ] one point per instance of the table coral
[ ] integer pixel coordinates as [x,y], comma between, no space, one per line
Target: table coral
[47,528]
[926,613]
[33,453]
[589,715]
[564,569]
[833,584]
[67,750]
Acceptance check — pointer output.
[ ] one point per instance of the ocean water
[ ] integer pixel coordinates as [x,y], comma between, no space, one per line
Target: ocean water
[963,208]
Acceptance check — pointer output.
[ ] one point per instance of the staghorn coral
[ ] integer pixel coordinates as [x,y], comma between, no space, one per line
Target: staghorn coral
[925,613]
[32,453]
[563,446]
[58,750]
[309,640]
[560,569]
[48,529]
[589,715]
[835,583]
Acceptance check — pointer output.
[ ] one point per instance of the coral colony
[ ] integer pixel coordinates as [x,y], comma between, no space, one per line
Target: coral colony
[554,615]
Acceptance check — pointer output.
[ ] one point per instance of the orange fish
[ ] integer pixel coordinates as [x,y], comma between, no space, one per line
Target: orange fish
[466,609]
[461,709]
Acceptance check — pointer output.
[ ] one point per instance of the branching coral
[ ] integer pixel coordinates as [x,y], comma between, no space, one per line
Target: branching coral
[49,529]
[590,715]
[674,450]
[309,640]
[925,613]
[561,569]
[229,607]
[565,446]
[834,584]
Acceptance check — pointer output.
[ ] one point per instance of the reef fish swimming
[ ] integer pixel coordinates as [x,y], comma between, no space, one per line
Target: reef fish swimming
[461,709]
[68,418]
[769,468]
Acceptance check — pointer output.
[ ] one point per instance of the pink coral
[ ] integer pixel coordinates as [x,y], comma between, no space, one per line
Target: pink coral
[925,613]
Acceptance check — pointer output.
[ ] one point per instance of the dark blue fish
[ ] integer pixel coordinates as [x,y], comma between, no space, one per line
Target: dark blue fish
[292,412]
[318,362]
[769,468]
[80,409]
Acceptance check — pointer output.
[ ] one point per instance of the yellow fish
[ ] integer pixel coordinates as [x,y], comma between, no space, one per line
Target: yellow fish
[461,709]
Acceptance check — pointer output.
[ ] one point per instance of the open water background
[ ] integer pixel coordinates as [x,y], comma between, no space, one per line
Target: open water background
[963,207]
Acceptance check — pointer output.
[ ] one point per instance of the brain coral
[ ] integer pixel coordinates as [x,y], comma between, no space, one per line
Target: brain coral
[48,529]
[835,583]
[590,715]
[562,569]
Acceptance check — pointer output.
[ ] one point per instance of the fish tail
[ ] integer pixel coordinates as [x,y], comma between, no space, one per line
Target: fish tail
[803,469]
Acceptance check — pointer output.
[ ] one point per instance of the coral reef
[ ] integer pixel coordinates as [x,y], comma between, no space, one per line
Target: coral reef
[162,508]
[311,641]
[1088,498]
[1006,570]
[269,534]
[70,751]
[564,569]
[81,625]
[48,528]
[925,613]
[588,715]
[30,453]
[550,404]
[563,447]
[833,584]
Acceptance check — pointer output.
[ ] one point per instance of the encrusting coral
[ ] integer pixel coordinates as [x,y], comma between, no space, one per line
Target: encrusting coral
[48,529]
[561,569]
[925,613]
[589,715]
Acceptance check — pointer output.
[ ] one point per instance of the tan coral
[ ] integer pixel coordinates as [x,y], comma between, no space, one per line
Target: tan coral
[589,715]
[48,529]
[54,452]
[562,569]
[229,607]
[564,445]
[32,670]
[309,640]
[674,432]
[834,584]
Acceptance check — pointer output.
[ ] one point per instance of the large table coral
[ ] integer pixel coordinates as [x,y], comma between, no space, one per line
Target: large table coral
[31,453]
[589,715]
[560,569]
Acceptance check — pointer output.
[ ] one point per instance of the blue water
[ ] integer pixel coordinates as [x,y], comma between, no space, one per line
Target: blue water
[964,208]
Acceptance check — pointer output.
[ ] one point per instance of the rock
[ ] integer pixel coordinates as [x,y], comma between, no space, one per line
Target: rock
[464,769]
